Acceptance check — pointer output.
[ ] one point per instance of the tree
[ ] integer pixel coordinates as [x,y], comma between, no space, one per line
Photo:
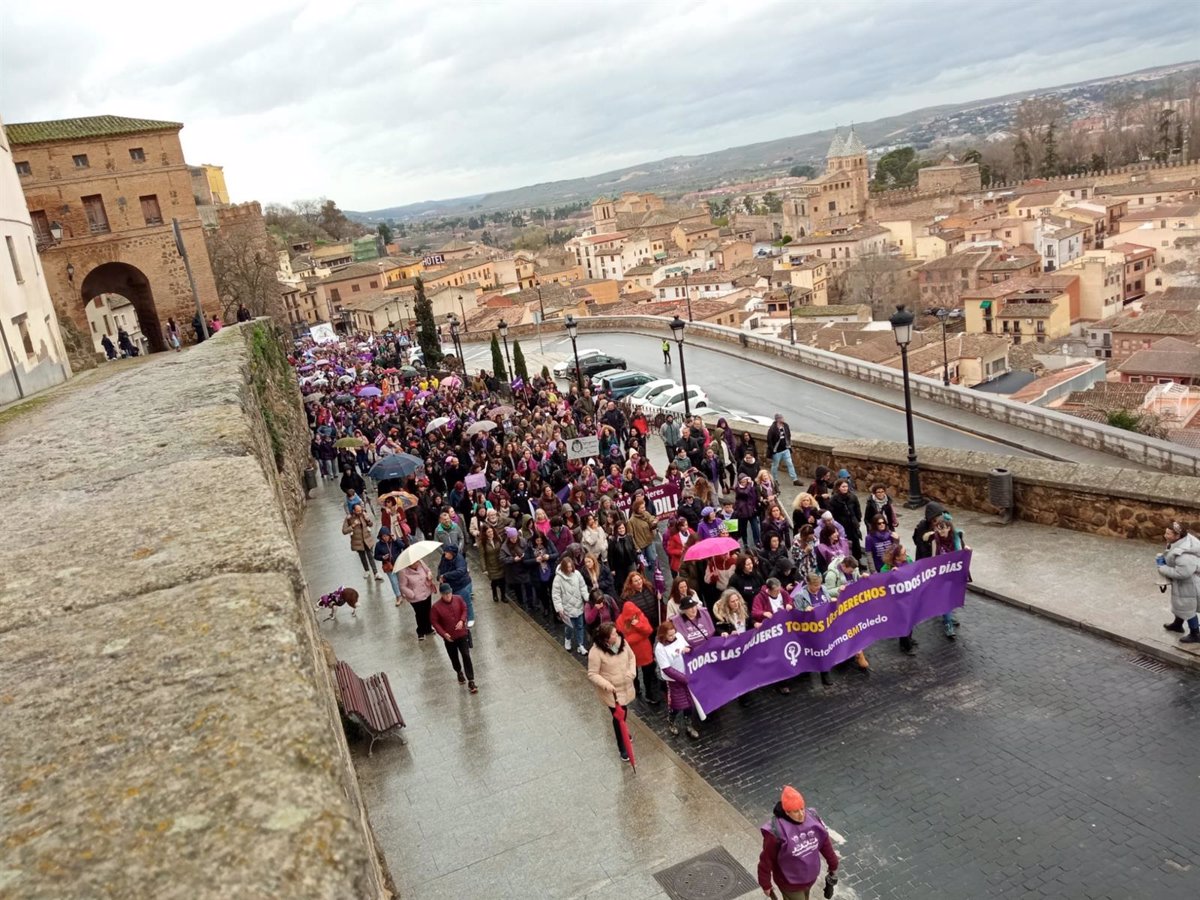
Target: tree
[385,232]
[773,202]
[1049,167]
[334,222]
[803,171]
[748,204]
[879,282]
[1022,158]
[497,360]
[896,169]
[519,362]
[244,268]
[487,238]
[427,335]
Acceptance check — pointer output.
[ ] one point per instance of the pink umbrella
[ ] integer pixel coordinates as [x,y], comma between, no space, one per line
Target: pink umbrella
[710,547]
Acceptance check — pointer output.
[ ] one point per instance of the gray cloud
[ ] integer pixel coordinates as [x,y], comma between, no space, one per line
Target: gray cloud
[382,103]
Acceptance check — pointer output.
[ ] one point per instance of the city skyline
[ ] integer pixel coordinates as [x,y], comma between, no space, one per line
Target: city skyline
[377,106]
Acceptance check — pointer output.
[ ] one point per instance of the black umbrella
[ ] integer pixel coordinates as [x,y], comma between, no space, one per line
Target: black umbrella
[397,465]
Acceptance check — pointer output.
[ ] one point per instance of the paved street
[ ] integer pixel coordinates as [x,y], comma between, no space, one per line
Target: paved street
[744,385]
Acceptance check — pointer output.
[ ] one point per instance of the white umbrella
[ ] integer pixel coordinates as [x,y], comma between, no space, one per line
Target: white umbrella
[484,425]
[417,552]
[346,379]
[437,423]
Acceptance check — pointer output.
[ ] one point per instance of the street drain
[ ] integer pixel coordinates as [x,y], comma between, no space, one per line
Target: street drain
[713,875]
[1149,663]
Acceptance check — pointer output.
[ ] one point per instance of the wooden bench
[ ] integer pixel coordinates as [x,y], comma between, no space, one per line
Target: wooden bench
[369,704]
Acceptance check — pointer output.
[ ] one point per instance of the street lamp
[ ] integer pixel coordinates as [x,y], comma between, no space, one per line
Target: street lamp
[462,309]
[902,327]
[537,286]
[56,231]
[944,314]
[687,294]
[502,327]
[573,330]
[677,326]
[70,269]
[791,323]
[453,320]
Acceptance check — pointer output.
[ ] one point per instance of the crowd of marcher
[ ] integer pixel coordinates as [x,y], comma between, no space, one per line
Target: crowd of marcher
[572,540]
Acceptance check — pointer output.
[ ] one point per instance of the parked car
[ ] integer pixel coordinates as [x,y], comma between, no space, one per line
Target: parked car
[623,384]
[566,368]
[598,363]
[598,378]
[710,412]
[650,389]
[672,400]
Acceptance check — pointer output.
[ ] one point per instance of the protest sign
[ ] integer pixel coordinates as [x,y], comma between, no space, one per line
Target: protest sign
[583,447]
[880,606]
[476,482]
[661,500]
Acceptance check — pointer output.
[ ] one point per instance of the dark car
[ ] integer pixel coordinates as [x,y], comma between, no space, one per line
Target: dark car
[625,383]
[594,364]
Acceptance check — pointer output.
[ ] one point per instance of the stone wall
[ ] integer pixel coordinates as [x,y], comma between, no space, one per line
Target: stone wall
[1113,502]
[170,726]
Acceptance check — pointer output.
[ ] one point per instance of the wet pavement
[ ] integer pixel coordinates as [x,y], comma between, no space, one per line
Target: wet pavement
[516,792]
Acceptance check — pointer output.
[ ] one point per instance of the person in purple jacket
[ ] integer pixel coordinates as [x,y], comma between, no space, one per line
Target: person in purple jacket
[794,840]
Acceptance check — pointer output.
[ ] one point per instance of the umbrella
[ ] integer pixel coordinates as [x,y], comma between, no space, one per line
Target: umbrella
[323,362]
[451,381]
[417,552]
[408,370]
[314,397]
[346,379]
[439,422]
[344,398]
[481,426]
[626,739]
[342,443]
[397,465]
[404,498]
[369,391]
[502,410]
[710,547]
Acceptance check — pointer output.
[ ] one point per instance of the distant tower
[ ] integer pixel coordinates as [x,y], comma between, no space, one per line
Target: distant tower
[847,158]
[603,216]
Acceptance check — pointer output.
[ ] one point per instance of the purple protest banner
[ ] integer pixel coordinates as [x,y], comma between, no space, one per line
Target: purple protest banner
[661,500]
[873,608]
[476,482]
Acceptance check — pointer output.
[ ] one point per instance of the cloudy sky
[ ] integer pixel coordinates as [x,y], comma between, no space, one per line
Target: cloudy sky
[380,104]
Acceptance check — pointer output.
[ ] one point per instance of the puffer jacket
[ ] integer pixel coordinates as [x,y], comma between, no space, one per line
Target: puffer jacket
[359,529]
[1182,570]
[638,631]
[416,583]
[569,593]
[612,673]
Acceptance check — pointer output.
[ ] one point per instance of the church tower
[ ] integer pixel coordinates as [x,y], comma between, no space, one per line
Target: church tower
[846,163]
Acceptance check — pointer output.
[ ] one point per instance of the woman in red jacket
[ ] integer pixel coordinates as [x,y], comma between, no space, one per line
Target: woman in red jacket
[679,537]
[639,634]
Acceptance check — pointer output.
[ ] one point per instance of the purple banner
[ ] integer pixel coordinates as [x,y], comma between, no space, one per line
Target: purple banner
[661,500]
[870,609]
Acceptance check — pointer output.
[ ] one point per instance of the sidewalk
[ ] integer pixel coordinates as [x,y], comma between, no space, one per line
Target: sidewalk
[516,792]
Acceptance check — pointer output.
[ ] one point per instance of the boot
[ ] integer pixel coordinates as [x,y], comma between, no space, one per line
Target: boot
[1177,625]
[826,679]
[1193,637]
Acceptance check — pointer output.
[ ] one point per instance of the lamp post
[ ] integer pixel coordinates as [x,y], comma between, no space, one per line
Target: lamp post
[687,294]
[791,323]
[573,330]
[56,231]
[502,327]
[453,320]
[902,322]
[462,309]
[537,286]
[944,314]
[677,327]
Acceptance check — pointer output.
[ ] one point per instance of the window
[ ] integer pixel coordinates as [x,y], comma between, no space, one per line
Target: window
[355,288]
[150,211]
[12,255]
[24,169]
[137,154]
[96,216]
[22,324]
[80,160]
[335,295]
[41,225]
[374,284]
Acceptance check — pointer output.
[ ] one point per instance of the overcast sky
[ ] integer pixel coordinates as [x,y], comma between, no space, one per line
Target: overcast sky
[380,104]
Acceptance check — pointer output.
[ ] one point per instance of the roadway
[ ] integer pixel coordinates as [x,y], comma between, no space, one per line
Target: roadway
[745,385]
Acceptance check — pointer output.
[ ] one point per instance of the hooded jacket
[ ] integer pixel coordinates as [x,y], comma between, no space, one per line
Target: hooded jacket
[454,569]
[638,632]
[1182,570]
[569,593]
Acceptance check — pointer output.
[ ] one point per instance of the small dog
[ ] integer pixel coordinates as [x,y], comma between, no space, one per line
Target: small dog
[343,596]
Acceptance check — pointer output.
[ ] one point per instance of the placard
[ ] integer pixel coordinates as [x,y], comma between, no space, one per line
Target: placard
[583,447]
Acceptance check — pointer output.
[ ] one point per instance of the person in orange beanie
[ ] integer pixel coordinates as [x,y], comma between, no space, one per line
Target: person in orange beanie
[794,840]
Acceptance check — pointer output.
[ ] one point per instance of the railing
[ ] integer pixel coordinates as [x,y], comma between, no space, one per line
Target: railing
[1158,454]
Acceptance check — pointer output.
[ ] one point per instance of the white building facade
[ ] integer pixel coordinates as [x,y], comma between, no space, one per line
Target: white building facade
[32,356]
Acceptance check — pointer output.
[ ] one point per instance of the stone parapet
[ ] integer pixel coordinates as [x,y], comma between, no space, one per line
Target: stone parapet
[170,726]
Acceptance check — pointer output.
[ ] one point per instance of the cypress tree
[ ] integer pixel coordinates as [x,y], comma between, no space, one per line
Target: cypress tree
[519,362]
[426,328]
[498,360]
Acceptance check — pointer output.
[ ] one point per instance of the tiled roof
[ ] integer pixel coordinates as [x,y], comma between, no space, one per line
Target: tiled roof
[1164,323]
[1110,393]
[1162,211]
[20,133]
[696,278]
[817,312]
[455,244]
[1170,356]
[1027,310]
[1185,185]
[963,259]
[643,269]
[858,233]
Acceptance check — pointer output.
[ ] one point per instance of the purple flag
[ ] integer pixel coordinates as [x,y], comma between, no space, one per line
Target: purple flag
[870,609]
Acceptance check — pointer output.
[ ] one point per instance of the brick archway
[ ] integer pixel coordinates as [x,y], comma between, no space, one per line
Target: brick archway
[132,284]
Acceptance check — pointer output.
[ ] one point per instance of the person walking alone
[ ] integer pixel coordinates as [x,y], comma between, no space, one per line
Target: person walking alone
[794,840]
[357,524]
[666,348]
[612,668]
[449,617]
[779,445]
[1180,565]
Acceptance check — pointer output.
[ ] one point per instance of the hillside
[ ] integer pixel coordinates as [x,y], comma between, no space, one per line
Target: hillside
[678,174]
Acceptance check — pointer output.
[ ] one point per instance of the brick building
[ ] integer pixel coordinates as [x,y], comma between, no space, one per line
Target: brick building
[113,185]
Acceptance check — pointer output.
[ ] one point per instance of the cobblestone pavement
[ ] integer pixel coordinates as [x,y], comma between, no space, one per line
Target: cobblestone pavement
[1024,760]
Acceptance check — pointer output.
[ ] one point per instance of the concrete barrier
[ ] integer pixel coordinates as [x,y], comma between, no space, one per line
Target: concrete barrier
[1158,454]
[168,723]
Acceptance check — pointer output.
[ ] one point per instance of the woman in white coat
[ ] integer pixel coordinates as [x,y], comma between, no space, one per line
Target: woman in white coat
[569,594]
[1180,565]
